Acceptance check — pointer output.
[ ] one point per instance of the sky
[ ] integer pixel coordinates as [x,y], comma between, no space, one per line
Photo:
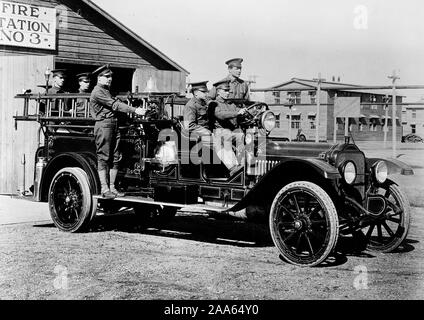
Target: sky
[363,42]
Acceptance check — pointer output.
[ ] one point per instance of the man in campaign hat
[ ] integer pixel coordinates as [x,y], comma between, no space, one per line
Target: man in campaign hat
[239,89]
[226,126]
[84,81]
[195,112]
[104,109]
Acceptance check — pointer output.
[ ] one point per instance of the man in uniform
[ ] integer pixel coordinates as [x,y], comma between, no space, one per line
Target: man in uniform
[226,126]
[104,108]
[239,89]
[59,78]
[195,112]
[84,81]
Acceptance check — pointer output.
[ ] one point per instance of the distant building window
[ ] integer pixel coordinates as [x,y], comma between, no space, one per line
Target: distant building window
[313,96]
[414,114]
[361,127]
[277,120]
[373,98]
[276,95]
[413,128]
[294,97]
[295,121]
[312,120]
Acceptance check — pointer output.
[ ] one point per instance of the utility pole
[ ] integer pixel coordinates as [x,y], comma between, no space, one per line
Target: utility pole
[394,77]
[386,122]
[319,82]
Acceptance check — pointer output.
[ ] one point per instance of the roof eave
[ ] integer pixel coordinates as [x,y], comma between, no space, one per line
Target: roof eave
[134,35]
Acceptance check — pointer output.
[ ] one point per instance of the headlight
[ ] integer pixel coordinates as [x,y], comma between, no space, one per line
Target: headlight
[268,121]
[381,171]
[349,172]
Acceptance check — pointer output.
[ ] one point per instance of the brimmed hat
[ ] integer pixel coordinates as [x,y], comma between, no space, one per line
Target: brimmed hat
[57,72]
[84,76]
[103,71]
[236,62]
[202,86]
[223,84]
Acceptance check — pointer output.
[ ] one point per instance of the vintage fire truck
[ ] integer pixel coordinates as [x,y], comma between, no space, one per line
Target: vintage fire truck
[309,194]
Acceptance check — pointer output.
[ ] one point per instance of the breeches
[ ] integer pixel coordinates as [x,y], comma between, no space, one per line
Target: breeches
[107,138]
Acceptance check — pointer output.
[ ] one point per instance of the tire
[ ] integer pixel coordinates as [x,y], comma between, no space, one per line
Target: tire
[305,232]
[154,215]
[70,200]
[387,235]
[302,138]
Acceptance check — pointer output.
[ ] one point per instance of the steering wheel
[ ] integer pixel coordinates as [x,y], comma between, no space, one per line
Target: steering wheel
[252,112]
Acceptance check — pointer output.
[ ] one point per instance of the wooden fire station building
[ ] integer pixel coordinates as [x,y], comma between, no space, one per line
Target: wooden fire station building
[76,35]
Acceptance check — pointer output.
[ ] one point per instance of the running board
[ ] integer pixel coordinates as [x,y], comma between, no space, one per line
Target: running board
[191,207]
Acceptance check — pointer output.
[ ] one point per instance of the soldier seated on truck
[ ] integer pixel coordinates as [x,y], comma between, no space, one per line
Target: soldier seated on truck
[195,112]
[225,117]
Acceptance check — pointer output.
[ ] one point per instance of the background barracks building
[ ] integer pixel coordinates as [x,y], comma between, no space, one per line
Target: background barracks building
[369,125]
[76,35]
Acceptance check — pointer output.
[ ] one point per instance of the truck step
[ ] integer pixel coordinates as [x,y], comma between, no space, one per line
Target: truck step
[199,207]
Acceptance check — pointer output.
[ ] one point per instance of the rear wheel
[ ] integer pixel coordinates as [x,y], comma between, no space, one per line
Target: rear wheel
[70,200]
[154,215]
[387,233]
[303,223]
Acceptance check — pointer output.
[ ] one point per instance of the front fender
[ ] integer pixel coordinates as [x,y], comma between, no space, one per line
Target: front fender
[84,161]
[394,166]
[288,170]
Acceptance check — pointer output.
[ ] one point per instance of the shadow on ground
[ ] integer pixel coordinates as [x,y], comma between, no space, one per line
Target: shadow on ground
[226,230]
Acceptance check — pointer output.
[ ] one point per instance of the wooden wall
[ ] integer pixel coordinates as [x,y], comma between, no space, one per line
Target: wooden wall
[84,38]
[17,73]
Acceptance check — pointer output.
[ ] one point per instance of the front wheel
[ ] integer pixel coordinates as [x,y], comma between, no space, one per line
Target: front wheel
[304,224]
[390,230]
[70,200]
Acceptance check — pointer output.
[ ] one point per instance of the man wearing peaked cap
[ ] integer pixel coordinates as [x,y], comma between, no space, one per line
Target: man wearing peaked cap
[104,109]
[195,112]
[59,78]
[84,81]
[225,124]
[239,89]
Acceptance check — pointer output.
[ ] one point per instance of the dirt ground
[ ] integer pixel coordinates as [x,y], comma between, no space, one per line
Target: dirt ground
[194,258]
[197,257]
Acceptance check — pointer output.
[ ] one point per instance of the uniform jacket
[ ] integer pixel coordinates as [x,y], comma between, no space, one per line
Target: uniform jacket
[225,115]
[196,116]
[80,103]
[238,89]
[104,106]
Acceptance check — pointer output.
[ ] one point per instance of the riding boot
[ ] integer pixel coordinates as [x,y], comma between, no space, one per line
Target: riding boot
[105,191]
[112,175]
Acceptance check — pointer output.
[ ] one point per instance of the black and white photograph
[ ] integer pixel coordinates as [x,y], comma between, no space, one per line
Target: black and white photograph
[227,152]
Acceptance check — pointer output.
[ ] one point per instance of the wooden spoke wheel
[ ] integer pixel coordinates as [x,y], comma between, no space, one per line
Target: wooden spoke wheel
[389,231]
[303,223]
[70,200]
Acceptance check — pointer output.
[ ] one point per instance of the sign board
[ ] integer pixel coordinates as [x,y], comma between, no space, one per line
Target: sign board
[347,107]
[28,26]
